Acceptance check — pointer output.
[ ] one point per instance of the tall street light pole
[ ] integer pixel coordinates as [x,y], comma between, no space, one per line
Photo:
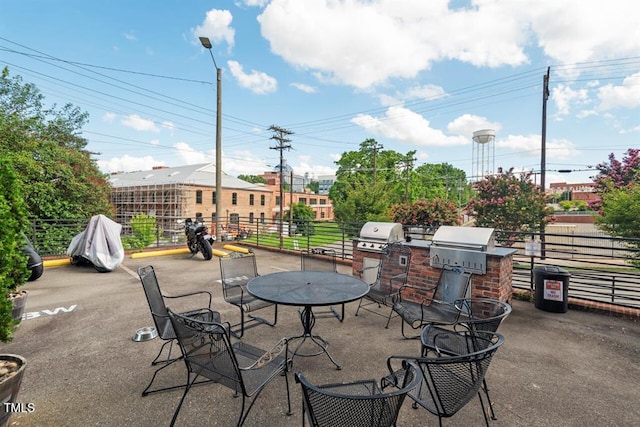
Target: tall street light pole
[207,45]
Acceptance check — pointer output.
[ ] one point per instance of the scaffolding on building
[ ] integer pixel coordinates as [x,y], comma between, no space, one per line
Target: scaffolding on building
[167,203]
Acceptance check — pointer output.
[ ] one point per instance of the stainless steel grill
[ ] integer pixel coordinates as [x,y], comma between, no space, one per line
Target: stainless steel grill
[464,246]
[375,235]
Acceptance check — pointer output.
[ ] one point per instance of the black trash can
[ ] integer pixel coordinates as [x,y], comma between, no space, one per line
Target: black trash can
[552,288]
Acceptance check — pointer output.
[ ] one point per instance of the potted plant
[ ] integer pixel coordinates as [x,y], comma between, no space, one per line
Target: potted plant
[13,274]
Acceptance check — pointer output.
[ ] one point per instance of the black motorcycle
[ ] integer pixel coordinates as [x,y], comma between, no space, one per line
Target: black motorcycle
[198,238]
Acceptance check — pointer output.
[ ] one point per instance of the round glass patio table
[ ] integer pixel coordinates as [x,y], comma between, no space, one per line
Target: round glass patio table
[308,289]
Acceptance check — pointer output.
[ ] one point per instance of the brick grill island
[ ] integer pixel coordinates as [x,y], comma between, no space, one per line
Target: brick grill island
[471,247]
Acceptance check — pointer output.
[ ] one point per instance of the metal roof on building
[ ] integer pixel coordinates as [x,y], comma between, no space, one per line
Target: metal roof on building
[203,174]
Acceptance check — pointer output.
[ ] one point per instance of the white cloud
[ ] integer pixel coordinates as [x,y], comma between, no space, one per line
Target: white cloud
[304,88]
[127,163]
[257,82]
[256,3]
[130,36]
[530,146]
[565,98]
[217,27]
[109,117]
[169,125]
[189,156]
[407,126]
[400,38]
[625,96]
[305,165]
[136,122]
[466,124]
[428,92]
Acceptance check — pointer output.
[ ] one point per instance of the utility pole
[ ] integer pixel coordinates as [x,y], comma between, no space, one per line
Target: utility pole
[543,155]
[407,161]
[375,149]
[290,203]
[282,143]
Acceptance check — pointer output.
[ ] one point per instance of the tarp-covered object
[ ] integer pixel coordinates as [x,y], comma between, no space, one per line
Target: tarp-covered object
[99,244]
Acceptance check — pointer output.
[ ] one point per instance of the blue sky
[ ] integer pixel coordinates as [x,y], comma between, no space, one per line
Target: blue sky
[413,74]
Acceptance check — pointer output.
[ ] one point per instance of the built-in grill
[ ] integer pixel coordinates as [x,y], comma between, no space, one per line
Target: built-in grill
[463,246]
[375,235]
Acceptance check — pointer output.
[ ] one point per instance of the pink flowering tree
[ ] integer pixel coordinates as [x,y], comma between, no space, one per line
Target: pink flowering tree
[509,202]
[426,213]
[616,174]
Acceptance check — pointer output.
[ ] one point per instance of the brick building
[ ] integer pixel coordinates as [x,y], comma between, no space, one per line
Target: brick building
[176,193]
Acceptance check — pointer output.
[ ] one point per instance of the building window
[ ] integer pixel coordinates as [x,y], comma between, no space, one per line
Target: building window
[234,198]
[213,218]
[251,218]
[322,214]
[213,197]
[199,197]
[262,218]
[313,201]
[323,201]
[251,197]
[277,200]
[302,200]
[234,218]
[262,200]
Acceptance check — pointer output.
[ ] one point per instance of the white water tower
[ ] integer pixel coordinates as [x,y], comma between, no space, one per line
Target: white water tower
[483,154]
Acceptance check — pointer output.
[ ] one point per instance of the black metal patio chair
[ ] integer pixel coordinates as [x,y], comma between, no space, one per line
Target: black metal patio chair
[440,308]
[477,314]
[235,274]
[156,301]
[356,404]
[321,259]
[245,369]
[450,381]
[391,275]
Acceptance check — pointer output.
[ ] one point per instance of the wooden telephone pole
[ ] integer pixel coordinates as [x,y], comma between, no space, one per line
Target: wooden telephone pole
[282,143]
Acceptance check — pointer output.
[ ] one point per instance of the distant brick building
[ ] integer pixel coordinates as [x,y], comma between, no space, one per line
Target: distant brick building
[176,193]
[585,191]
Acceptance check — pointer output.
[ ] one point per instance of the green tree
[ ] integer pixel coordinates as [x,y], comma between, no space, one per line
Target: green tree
[431,181]
[13,262]
[314,187]
[59,177]
[565,205]
[143,230]
[302,217]
[254,179]
[363,203]
[621,213]
[509,203]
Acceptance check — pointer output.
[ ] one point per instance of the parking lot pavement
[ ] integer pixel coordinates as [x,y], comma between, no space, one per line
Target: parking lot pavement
[569,369]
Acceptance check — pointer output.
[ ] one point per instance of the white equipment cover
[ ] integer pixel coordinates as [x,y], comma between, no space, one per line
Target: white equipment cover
[99,244]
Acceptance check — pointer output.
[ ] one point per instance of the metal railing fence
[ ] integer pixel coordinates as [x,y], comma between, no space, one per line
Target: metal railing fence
[602,268]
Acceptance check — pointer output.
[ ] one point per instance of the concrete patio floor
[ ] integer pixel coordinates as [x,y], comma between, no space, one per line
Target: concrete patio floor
[555,369]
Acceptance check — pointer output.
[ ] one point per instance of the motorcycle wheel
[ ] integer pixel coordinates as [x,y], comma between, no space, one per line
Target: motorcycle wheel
[36,272]
[207,251]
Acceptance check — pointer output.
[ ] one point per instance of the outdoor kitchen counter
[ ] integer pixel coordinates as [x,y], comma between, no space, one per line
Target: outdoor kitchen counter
[493,280]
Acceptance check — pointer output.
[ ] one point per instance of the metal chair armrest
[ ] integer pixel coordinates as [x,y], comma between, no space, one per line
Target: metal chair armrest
[270,355]
[188,294]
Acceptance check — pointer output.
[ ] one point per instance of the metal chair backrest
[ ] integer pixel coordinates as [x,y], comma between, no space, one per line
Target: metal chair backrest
[452,285]
[484,314]
[237,271]
[318,259]
[393,269]
[453,380]
[207,350]
[156,302]
[356,404]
